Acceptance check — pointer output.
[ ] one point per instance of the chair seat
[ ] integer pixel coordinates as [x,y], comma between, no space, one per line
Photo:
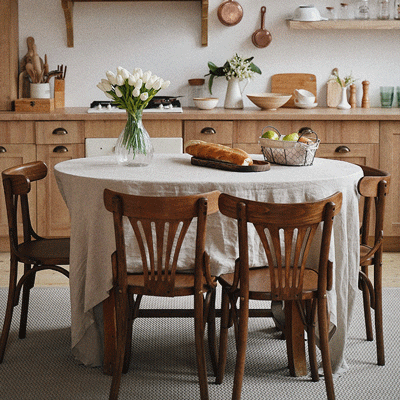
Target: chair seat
[184,284]
[260,282]
[46,251]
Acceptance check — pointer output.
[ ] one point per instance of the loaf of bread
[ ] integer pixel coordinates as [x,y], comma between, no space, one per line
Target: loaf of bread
[305,140]
[213,151]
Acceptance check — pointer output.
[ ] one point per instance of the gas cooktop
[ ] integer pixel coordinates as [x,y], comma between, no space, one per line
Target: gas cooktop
[156,104]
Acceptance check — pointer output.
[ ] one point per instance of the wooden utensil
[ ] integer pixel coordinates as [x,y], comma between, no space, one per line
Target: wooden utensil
[230,13]
[31,72]
[287,83]
[261,37]
[36,64]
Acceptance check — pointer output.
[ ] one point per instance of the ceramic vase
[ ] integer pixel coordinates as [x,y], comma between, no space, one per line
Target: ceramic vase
[233,97]
[134,147]
[344,104]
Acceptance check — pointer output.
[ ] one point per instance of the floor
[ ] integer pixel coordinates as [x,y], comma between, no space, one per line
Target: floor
[391,272]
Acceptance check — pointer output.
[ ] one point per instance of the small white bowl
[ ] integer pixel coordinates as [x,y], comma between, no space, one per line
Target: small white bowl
[307,13]
[205,103]
[304,97]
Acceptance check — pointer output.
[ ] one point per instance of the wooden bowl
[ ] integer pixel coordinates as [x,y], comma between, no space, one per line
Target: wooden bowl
[269,101]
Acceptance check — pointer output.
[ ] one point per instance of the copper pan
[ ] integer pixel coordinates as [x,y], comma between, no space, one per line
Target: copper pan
[230,12]
[261,37]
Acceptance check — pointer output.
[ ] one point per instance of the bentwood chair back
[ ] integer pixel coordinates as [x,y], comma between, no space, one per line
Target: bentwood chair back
[286,232]
[373,188]
[35,252]
[160,225]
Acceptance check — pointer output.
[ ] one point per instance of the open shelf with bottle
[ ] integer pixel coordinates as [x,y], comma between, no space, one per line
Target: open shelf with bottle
[346,24]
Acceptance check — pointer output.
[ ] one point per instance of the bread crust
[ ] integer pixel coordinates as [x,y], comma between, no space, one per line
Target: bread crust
[213,151]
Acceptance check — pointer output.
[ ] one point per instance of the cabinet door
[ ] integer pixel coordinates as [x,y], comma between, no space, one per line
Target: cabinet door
[53,215]
[210,131]
[389,161]
[10,156]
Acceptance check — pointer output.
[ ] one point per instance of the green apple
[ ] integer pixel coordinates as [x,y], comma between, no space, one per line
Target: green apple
[270,135]
[293,137]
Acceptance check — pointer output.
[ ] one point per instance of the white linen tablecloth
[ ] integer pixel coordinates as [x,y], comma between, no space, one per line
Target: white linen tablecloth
[82,182]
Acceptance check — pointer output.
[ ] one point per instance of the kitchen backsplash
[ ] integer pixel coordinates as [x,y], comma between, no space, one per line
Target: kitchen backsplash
[165,38]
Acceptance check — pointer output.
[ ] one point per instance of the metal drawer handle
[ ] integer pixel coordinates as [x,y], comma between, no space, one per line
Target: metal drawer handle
[60,149]
[208,131]
[3,149]
[60,131]
[342,149]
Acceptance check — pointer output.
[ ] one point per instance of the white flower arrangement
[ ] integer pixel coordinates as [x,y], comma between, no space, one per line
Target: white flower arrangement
[346,81]
[131,91]
[236,67]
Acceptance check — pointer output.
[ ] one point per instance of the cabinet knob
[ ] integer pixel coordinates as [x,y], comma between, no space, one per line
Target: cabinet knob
[342,149]
[60,149]
[60,131]
[208,131]
[2,149]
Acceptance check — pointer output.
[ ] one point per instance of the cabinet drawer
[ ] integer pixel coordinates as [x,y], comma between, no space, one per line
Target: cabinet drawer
[327,131]
[210,131]
[53,132]
[365,154]
[111,129]
[17,132]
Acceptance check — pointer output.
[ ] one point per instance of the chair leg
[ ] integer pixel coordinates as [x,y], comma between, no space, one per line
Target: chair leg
[241,347]
[28,285]
[367,307]
[121,310]
[199,340]
[223,337]
[312,346]
[324,344]
[128,341]
[10,306]
[378,311]
[211,332]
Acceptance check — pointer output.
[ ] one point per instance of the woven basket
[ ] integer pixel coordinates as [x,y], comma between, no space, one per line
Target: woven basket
[289,153]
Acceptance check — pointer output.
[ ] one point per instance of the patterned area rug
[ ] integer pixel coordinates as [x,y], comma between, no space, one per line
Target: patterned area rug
[164,367]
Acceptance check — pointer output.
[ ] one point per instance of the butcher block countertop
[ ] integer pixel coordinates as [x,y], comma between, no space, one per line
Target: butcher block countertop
[250,113]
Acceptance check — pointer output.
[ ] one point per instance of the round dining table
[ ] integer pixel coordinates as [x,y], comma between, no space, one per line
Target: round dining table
[82,182]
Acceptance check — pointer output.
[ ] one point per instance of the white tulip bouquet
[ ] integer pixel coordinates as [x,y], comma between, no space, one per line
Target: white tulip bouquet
[132,92]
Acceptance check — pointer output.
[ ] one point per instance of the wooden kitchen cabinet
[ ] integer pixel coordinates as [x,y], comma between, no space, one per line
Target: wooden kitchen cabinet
[11,155]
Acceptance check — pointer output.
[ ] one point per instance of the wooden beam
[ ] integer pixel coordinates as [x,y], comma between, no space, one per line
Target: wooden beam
[68,6]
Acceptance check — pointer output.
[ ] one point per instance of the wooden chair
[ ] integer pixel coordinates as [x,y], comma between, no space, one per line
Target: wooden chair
[286,232]
[35,252]
[160,225]
[373,188]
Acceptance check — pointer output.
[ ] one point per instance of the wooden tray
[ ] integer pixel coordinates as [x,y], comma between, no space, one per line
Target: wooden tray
[258,166]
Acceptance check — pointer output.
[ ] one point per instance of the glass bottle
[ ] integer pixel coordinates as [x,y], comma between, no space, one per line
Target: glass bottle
[344,12]
[196,90]
[331,13]
[396,9]
[383,10]
[362,10]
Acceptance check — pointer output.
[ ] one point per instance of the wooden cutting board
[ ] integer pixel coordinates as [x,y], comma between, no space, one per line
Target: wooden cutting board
[287,83]
[333,93]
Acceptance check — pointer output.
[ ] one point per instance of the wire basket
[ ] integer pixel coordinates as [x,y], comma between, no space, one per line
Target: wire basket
[290,153]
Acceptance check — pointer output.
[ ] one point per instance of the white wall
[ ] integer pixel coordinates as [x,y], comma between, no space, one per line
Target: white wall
[164,37]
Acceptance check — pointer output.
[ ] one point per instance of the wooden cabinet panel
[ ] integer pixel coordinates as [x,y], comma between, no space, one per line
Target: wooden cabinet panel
[110,129]
[17,132]
[327,131]
[15,154]
[59,132]
[390,162]
[210,131]
[53,215]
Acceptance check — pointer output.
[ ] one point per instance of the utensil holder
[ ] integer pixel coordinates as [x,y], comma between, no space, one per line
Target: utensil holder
[59,93]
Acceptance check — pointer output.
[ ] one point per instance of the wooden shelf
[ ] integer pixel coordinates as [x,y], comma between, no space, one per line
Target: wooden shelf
[346,24]
[68,6]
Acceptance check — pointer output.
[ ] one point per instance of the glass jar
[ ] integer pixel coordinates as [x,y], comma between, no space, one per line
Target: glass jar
[396,9]
[383,9]
[362,10]
[331,13]
[196,90]
[344,12]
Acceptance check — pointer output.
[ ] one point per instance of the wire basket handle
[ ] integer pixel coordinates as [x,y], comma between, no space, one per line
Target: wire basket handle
[271,128]
[305,130]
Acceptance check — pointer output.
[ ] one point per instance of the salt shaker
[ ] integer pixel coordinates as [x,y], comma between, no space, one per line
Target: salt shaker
[365,98]
[353,97]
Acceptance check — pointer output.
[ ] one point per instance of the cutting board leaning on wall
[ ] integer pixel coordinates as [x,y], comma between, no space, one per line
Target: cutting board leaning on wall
[287,83]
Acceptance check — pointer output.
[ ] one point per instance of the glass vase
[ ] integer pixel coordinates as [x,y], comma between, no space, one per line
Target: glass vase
[134,145]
